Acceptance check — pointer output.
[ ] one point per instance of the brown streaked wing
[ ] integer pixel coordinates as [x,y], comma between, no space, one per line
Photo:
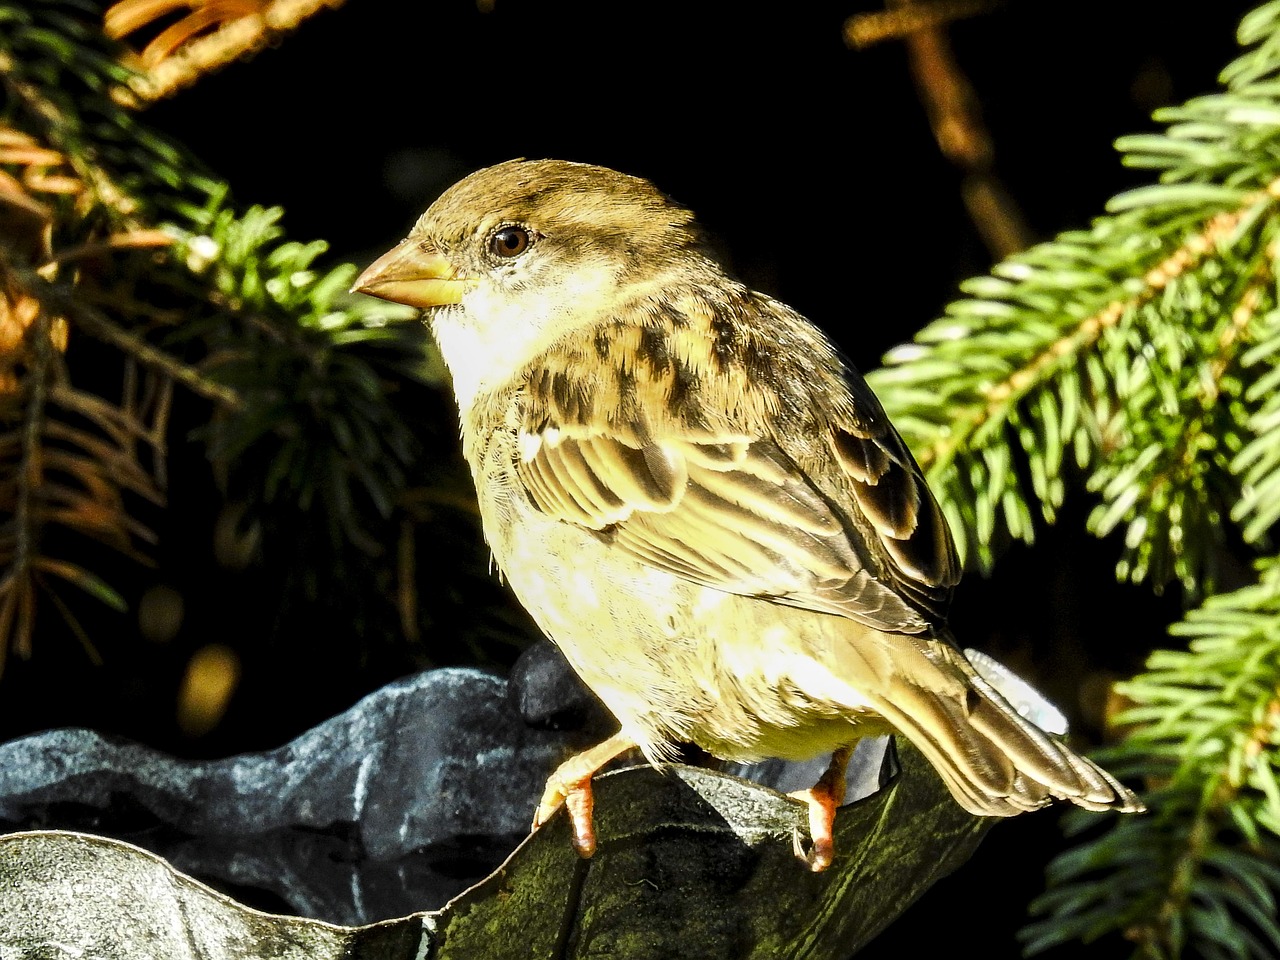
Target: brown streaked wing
[741,517]
[891,493]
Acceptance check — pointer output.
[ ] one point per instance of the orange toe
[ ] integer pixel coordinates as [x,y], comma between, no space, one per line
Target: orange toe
[570,787]
[823,799]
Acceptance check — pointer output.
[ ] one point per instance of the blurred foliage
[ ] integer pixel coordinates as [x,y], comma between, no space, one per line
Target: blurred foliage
[1137,362]
[140,311]
[1199,873]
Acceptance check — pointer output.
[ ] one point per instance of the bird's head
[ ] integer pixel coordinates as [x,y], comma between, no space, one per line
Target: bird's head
[517,255]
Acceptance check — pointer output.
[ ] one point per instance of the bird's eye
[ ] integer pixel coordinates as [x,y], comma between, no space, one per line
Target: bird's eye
[510,242]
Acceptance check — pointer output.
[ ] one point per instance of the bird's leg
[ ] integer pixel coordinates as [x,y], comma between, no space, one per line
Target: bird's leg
[822,799]
[570,785]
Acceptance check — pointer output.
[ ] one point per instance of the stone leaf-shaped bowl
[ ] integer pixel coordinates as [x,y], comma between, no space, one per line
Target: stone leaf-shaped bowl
[691,864]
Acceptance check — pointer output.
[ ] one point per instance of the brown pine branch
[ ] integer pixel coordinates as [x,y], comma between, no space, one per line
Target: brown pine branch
[953,109]
[70,475]
[186,51]
[98,324]
[863,30]
[17,600]
[127,240]
[58,133]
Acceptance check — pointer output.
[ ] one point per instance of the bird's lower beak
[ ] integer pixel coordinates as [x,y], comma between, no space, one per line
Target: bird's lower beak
[413,276]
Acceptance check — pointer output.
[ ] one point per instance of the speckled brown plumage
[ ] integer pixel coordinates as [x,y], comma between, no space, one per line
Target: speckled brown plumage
[698,500]
[813,497]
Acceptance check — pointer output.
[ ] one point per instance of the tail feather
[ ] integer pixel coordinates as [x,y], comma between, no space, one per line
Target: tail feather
[1045,759]
[995,762]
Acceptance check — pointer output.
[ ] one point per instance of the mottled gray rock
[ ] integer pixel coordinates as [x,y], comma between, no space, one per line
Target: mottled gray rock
[401,802]
[547,694]
[421,761]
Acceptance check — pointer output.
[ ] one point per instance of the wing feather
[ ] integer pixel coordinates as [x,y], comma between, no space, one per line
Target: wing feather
[596,495]
[800,492]
[790,503]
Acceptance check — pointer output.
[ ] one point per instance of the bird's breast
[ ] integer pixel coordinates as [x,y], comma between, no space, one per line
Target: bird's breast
[674,661]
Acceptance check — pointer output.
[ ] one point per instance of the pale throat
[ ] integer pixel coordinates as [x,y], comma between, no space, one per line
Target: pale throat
[494,332]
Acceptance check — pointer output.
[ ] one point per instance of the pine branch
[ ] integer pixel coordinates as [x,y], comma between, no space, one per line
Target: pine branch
[1203,867]
[185,51]
[301,376]
[1113,351]
[1139,360]
[315,413]
[1258,462]
[20,542]
[59,73]
[863,30]
[98,325]
[953,109]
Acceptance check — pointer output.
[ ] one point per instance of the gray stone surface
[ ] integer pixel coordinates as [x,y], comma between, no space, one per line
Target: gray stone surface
[691,864]
[398,804]
[401,802]
[419,762]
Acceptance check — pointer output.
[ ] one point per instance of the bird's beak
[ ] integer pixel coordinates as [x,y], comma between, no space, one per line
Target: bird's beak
[411,275]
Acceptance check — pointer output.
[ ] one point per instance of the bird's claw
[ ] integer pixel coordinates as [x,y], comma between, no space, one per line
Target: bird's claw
[570,787]
[822,844]
[822,799]
[576,797]
[819,855]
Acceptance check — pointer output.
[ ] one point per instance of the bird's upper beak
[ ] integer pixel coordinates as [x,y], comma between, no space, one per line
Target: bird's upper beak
[414,276]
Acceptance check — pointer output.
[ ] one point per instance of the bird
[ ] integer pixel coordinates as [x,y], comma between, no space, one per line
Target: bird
[700,501]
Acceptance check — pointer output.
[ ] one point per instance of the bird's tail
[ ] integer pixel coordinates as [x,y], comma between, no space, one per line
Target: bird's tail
[995,762]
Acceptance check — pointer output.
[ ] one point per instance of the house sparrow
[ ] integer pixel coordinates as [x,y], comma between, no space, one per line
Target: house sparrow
[699,501]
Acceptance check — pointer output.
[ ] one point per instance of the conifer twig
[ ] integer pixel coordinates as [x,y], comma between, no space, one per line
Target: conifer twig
[236,38]
[863,30]
[999,396]
[56,129]
[98,325]
[953,109]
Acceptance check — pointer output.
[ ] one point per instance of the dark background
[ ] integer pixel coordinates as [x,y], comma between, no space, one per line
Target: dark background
[815,166]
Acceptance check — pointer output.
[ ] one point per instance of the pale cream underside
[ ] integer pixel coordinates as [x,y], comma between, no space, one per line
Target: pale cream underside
[741,677]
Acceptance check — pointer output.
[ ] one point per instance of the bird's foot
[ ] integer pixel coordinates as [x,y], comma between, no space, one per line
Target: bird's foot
[570,786]
[822,799]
